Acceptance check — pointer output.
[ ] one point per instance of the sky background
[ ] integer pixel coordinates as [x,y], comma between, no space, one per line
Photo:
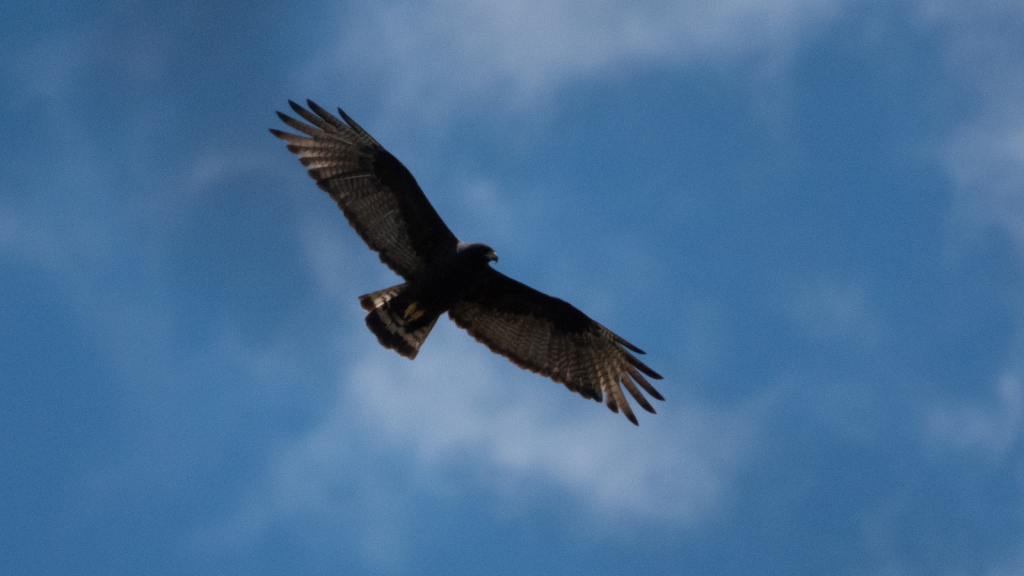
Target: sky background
[810,214]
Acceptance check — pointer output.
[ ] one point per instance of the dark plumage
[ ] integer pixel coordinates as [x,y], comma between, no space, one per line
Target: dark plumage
[391,214]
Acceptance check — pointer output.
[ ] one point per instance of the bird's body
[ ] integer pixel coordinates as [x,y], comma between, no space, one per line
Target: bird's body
[404,318]
[385,205]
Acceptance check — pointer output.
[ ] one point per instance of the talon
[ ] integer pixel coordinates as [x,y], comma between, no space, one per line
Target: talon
[412,314]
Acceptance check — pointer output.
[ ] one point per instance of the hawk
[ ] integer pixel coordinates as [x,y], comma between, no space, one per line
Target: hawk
[386,207]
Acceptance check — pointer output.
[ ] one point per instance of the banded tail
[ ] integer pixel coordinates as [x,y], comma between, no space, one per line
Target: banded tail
[397,321]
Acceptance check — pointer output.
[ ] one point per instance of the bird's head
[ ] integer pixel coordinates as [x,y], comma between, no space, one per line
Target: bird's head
[478,252]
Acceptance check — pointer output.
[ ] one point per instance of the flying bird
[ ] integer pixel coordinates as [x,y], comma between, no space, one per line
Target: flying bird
[386,207]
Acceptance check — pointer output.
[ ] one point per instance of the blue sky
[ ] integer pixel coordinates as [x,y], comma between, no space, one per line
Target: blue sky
[810,214]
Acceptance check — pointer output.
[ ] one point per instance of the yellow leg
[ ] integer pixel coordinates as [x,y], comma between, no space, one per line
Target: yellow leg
[412,314]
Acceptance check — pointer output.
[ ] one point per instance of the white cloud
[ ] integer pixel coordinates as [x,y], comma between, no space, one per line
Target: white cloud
[453,401]
[985,157]
[439,55]
[459,419]
[991,428]
[985,162]
[832,310]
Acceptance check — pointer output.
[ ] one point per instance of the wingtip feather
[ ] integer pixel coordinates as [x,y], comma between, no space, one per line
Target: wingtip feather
[636,394]
[366,302]
[627,344]
[639,379]
[645,368]
[317,109]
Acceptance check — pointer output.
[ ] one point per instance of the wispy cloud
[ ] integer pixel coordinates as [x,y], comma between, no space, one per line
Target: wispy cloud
[985,157]
[459,409]
[441,55]
[836,311]
[985,163]
[455,401]
[992,427]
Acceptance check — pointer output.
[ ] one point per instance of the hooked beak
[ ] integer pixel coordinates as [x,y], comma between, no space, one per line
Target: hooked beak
[492,256]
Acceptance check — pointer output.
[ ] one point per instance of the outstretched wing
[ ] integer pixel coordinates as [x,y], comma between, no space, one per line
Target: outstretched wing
[374,190]
[552,338]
